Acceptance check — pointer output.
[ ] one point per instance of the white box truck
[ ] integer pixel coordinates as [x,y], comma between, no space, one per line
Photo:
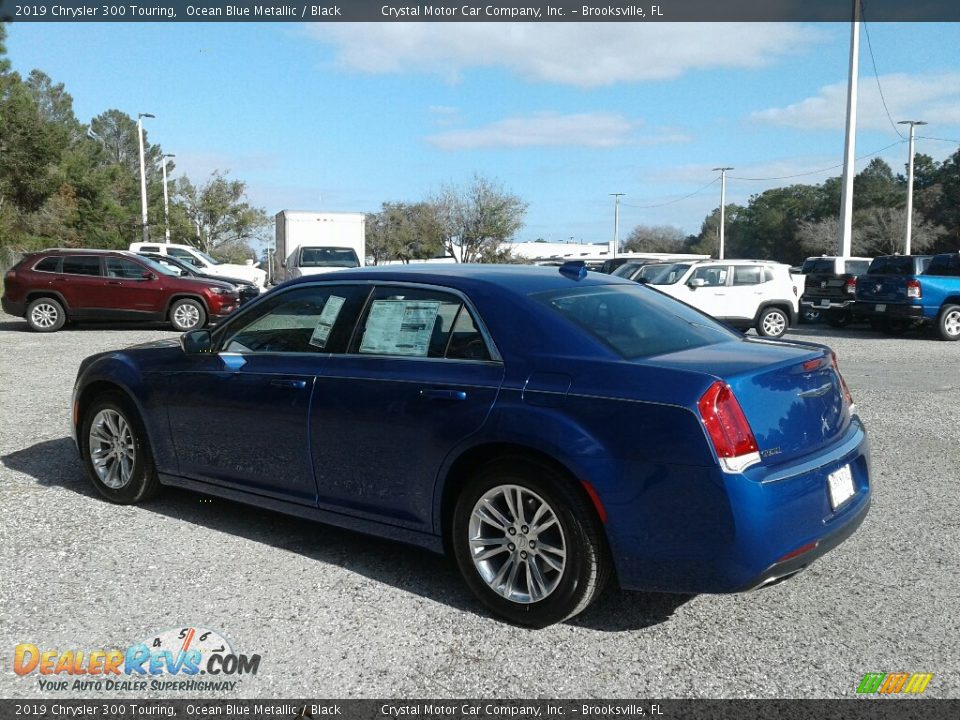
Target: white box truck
[309,243]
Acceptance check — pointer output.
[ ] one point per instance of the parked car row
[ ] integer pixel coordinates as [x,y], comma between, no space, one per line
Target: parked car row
[51,287]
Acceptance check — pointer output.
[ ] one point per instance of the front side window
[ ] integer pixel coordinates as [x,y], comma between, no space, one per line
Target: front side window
[81,265]
[315,319]
[712,276]
[408,322]
[185,256]
[670,275]
[124,269]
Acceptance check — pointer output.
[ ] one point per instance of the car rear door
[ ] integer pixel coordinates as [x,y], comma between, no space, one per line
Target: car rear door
[419,377]
[82,285]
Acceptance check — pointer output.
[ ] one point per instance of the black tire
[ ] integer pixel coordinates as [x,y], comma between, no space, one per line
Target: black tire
[135,479]
[948,322]
[45,315]
[773,322]
[838,319]
[811,315]
[585,568]
[894,326]
[187,314]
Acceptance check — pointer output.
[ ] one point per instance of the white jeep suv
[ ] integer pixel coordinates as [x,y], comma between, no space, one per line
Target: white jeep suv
[743,293]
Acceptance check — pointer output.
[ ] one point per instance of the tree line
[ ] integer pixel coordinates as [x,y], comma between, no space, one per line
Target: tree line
[69,184]
[64,183]
[795,222]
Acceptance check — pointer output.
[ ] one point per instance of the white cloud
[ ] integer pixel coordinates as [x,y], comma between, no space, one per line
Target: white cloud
[592,130]
[931,97]
[578,54]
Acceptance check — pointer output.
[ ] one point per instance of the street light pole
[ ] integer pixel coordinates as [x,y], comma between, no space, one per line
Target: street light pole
[143,176]
[906,245]
[166,199]
[850,139]
[723,203]
[616,222]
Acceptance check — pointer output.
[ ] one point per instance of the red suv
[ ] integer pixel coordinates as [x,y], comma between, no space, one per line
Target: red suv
[53,286]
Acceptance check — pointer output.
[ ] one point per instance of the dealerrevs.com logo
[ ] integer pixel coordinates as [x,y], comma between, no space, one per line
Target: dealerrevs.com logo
[186,659]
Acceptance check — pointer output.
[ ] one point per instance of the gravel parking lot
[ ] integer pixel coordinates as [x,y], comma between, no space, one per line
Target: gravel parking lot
[335,614]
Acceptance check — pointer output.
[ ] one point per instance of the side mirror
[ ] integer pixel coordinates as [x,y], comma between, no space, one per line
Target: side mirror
[184,273]
[147,275]
[696,282]
[196,342]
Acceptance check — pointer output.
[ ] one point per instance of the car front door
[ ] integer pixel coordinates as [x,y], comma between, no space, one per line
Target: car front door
[239,416]
[419,377]
[708,290]
[133,287]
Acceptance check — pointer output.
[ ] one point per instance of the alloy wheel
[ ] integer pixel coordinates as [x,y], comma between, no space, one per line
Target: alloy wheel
[112,448]
[951,323]
[44,315]
[517,544]
[774,324]
[186,316]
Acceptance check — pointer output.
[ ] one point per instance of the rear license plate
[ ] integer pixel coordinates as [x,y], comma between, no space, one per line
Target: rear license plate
[841,486]
[881,308]
[824,303]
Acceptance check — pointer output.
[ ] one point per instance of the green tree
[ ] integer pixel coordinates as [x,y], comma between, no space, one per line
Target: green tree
[223,221]
[404,231]
[656,238]
[478,219]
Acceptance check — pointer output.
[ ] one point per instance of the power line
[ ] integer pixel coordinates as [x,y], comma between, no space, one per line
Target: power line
[821,170]
[877,74]
[948,140]
[672,202]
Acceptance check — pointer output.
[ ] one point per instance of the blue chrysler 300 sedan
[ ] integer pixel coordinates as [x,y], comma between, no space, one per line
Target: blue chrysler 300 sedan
[550,428]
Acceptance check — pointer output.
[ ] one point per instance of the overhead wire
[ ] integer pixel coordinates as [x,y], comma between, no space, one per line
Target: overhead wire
[672,202]
[876,74]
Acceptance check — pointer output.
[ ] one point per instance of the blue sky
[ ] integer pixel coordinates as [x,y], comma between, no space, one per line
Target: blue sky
[344,117]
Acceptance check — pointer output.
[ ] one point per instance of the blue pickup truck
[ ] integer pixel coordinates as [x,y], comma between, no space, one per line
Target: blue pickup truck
[896,302]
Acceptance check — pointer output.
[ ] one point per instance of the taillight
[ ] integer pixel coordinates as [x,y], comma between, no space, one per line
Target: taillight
[851,286]
[848,398]
[729,431]
[913,289]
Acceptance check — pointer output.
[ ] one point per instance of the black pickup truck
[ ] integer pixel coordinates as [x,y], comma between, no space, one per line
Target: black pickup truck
[831,286]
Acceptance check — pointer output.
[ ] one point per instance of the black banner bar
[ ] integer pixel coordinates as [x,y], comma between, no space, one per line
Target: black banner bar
[504,11]
[872,708]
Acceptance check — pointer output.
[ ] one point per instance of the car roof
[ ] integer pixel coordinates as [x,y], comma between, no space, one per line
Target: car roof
[521,279]
[737,261]
[84,251]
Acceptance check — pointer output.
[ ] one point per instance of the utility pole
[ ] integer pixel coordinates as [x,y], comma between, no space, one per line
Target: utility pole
[723,204]
[143,176]
[166,199]
[616,222]
[850,141]
[906,245]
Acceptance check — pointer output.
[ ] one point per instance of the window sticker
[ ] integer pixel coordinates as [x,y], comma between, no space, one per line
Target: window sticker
[400,327]
[329,315]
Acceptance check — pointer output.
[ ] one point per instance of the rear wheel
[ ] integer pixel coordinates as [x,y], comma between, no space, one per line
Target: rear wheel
[528,543]
[187,315]
[838,319]
[45,315]
[948,322]
[773,322]
[811,315]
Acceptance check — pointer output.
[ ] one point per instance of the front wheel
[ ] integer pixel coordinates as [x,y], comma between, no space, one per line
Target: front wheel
[948,322]
[528,543]
[187,315]
[773,322]
[115,451]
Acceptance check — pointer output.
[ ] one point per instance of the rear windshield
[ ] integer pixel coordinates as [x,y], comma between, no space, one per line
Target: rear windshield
[857,267]
[895,265]
[635,321]
[819,265]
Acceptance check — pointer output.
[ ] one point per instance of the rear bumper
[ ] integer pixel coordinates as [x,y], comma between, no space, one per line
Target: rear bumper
[808,303]
[12,308]
[898,310]
[735,532]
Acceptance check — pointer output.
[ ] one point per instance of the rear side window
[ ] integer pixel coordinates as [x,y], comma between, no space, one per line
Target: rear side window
[409,322]
[50,264]
[944,265]
[149,248]
[81,265]
[747,275]
[635,321]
